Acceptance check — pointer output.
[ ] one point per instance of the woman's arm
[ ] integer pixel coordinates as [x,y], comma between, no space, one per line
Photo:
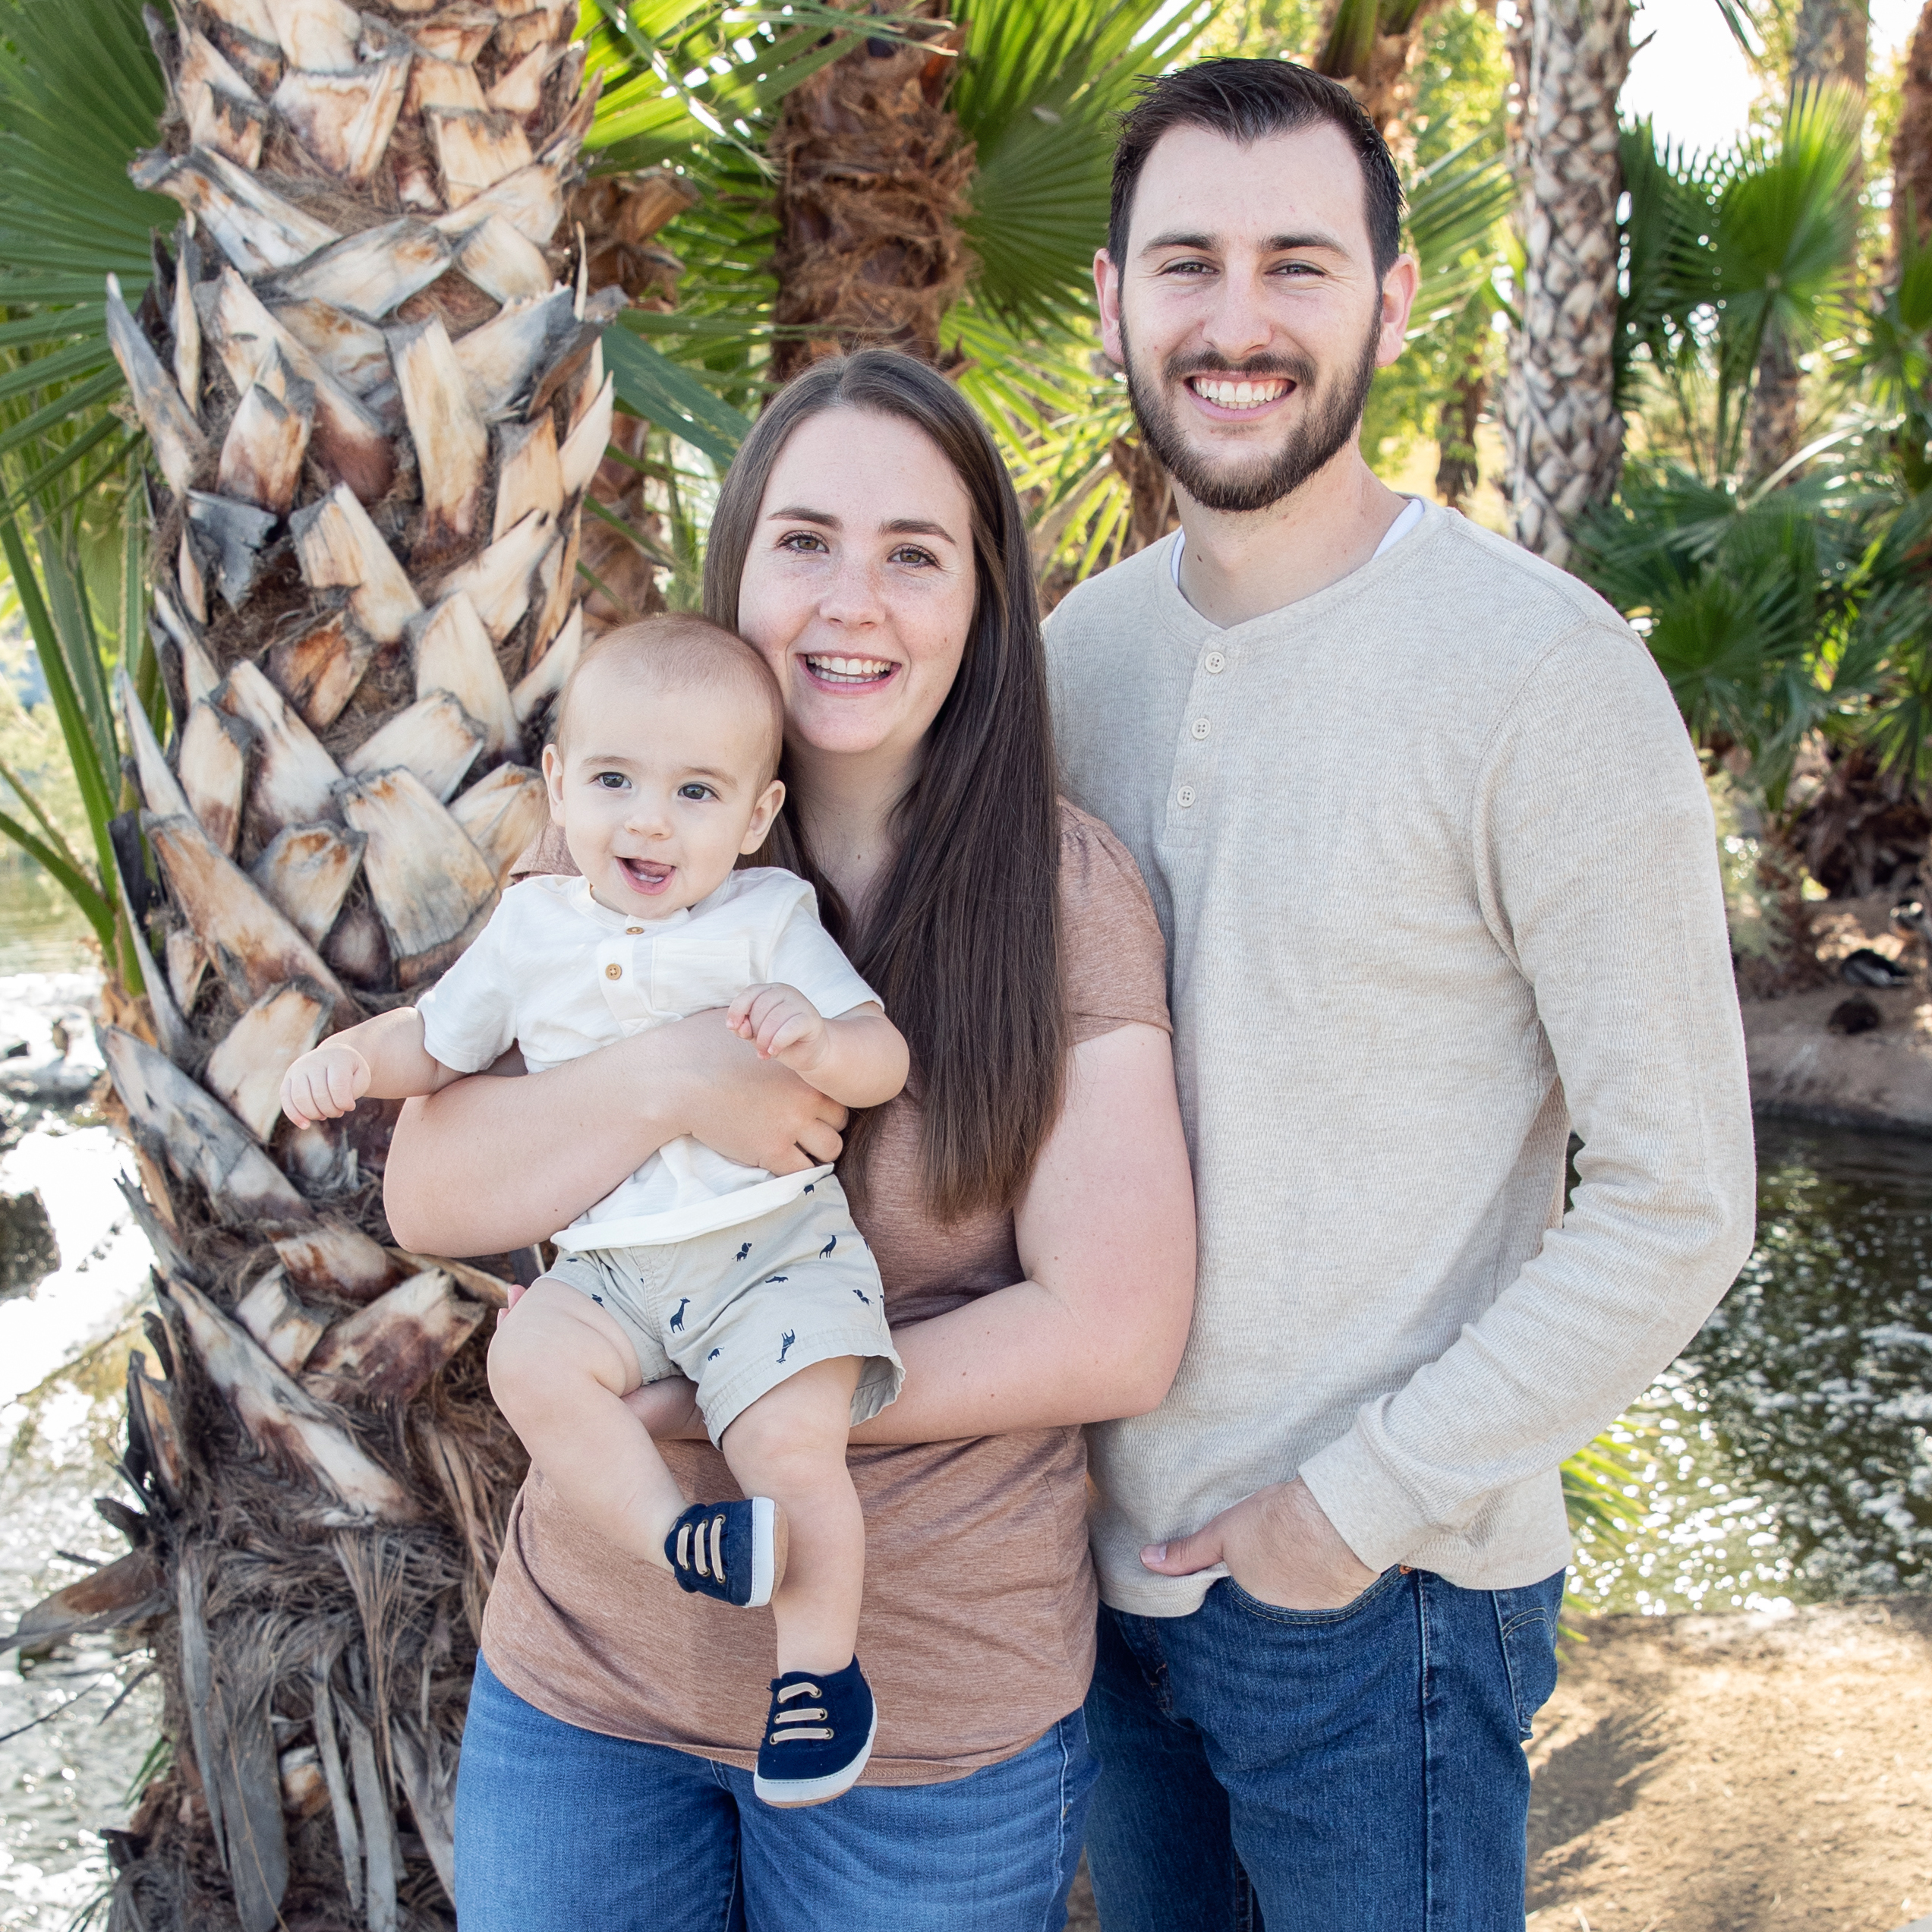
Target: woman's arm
[492,1163]
[1106,1235]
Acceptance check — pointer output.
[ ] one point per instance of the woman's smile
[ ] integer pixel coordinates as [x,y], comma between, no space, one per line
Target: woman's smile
[833,673]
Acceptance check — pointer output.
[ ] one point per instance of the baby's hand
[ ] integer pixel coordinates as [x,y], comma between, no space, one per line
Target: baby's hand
[324,1084]
[782,1024]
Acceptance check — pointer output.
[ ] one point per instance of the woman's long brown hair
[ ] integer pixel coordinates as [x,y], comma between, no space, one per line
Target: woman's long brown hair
[962,936]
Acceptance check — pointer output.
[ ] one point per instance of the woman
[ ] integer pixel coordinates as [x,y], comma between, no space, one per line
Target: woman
[1028,1202]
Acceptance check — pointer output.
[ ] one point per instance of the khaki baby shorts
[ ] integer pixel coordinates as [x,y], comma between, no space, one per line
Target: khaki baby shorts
[739,1310]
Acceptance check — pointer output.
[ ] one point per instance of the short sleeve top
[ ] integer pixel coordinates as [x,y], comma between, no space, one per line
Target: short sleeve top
[977,1627]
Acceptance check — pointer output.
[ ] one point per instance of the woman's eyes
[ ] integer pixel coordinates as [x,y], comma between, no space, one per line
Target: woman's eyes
[808,543]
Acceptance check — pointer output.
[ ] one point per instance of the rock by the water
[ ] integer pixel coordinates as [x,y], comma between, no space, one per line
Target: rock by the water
[1867,968]
[47,1049]
[29,1253]
[1856,1015]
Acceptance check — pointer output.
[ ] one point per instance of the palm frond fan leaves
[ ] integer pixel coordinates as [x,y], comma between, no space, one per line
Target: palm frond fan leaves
[370,378]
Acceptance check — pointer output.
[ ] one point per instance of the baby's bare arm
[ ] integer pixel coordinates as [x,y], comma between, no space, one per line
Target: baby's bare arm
[383,1058]
[868,1059]
[859,1059]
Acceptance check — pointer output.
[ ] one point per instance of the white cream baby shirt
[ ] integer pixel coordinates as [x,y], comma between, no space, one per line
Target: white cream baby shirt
[560,975]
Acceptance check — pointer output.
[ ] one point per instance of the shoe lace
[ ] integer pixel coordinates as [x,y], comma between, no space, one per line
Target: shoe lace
[692,1552]
[806,1723]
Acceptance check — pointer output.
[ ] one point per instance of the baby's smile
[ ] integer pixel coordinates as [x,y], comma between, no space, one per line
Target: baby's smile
[646,875]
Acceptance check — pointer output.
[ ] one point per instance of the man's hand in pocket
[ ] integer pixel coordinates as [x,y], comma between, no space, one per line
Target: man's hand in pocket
[1278,1546]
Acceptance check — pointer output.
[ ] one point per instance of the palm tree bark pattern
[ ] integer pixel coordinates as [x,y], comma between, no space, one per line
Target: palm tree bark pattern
[1911,141]
[873,173]
[1370,45]
[1564,437]
[373,384]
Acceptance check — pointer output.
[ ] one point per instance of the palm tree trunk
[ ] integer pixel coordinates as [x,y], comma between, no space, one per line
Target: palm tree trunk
[871,191]
[1828,43]
[1565,437]
[1911,141]
[1371,45]
[373,385]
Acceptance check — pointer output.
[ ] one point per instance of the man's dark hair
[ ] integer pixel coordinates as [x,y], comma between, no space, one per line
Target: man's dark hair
[1248,100]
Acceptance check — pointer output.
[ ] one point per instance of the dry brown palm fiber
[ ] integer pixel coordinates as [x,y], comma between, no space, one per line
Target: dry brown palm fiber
[873,174]
[323,1655]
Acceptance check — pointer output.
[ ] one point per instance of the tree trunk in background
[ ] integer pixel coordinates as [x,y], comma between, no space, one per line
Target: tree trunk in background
[374,387]
[1564,437]
[1458,473]
[1828,43]
[873,173]
[1911,141]
[620,215]
[1370,45]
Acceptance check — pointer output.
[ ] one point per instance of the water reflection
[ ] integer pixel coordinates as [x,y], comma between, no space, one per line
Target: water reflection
[41,929]
[1787,1453]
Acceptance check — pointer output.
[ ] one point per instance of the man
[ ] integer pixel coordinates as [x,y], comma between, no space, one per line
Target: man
[1437,875]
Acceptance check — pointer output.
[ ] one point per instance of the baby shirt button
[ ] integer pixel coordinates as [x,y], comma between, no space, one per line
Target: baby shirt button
[634,928]
[1185,796]
[1215,662]
[614,972]
[1199,727]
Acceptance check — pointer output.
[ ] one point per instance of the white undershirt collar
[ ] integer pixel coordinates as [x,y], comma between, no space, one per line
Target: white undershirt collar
[1410,516]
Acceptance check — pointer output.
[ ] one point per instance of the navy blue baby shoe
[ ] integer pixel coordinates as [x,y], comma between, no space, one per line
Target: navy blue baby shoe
[732,1551]
[817,1738]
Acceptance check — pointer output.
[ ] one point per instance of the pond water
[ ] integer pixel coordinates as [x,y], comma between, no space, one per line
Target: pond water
[1787,1455]
[1785,1458]
[41,928]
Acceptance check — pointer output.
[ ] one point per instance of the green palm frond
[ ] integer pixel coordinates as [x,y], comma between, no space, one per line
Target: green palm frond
[1787,228]
[1457,208]
[1038,88]
[682,76]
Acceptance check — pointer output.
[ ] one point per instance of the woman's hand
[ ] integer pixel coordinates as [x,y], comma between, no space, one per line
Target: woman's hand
[492,1163]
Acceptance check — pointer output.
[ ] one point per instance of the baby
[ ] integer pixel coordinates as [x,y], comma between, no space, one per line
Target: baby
[755,1285]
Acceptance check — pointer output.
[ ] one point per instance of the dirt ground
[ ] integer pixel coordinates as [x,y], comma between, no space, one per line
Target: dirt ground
[1880,1078]
[1731,1774]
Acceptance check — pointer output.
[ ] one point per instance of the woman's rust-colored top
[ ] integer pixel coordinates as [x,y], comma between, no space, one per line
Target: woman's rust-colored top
[977,1630]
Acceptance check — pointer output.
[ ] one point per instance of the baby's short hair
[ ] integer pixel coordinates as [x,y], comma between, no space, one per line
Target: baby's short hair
[679,649]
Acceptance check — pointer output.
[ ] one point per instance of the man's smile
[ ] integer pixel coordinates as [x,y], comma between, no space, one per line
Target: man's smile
[1239,394]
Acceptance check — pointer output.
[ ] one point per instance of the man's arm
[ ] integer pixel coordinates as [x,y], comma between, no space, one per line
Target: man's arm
[1596,865]
[1597,861]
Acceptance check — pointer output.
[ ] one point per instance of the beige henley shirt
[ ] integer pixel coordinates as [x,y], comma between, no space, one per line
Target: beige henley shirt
[1437,873]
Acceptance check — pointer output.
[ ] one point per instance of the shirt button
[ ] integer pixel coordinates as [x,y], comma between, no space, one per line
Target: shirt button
[613,972]
[1185,796]
[1215,662]
[1199,727]
[634,928]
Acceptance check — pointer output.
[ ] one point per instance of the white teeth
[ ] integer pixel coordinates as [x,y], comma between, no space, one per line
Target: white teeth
[863,668]
[1239,395]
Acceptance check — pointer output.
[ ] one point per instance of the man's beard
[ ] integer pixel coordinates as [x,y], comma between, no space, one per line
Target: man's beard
[1331,418]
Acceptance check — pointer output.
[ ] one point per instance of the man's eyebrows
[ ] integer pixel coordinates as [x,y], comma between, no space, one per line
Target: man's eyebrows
[1275,245]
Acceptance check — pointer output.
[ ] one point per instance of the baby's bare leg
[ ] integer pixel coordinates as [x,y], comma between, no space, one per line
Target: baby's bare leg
[789,1445]
[559,1368]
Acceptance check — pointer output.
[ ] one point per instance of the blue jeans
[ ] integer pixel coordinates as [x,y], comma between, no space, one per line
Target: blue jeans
[563,1830]
[1352,1770]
